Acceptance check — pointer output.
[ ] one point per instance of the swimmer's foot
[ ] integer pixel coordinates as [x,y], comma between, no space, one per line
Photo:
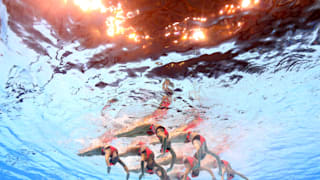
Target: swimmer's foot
[166,84]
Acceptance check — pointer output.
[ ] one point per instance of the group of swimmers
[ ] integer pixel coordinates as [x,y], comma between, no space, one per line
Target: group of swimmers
[148,163]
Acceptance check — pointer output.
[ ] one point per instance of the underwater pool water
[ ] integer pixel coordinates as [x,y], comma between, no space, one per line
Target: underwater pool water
[258,91]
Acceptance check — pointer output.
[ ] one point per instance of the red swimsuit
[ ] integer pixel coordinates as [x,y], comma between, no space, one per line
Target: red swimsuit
[190,161]
[152,130]
[112,149]
[226,163]
[199,137]
[163,109]
[148,152]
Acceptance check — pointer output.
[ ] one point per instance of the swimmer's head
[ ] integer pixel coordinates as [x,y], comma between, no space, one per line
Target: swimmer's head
[161,132]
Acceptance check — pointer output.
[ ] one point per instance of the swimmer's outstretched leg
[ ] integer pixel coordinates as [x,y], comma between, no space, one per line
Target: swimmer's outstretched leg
[214,155]
[194,123]
[135,170]
[231,171]
[130,151]
[139,130]
[241,175]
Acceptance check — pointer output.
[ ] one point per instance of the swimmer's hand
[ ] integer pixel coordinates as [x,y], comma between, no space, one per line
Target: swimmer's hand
[140,177]
[128,175]
[109,168]
[169,169]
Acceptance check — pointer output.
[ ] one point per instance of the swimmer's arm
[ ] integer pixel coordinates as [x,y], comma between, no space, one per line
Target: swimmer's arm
[165,144]
[124,166]
[199,154]
[135,169]
[186,173]
[106,157]
[173,159]
[209,171]
[142,169]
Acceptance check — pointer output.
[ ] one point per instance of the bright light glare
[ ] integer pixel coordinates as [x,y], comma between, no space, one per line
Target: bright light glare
[245,3]
[198,35]
[114,23]
[90,5]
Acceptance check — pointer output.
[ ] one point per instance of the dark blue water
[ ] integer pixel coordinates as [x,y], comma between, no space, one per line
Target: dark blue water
[256,84]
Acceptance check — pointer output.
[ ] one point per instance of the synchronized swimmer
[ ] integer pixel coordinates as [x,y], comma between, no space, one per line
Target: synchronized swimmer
[142,128]
[149,126]
[111,155]
[226,168]
[151,166]
[198,142]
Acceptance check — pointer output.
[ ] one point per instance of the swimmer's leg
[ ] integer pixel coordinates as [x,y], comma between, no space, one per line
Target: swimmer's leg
[194,123]
[231,171]
[136,170]
[166,160]
[130,151]
[241,175]
[214,155]
[138,130]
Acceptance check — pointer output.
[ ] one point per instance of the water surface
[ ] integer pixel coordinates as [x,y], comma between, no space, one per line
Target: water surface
[255,78]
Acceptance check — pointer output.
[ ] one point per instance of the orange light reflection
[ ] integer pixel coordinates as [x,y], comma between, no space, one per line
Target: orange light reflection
[249,3]
[90,5]
[198,35]
[115,22]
